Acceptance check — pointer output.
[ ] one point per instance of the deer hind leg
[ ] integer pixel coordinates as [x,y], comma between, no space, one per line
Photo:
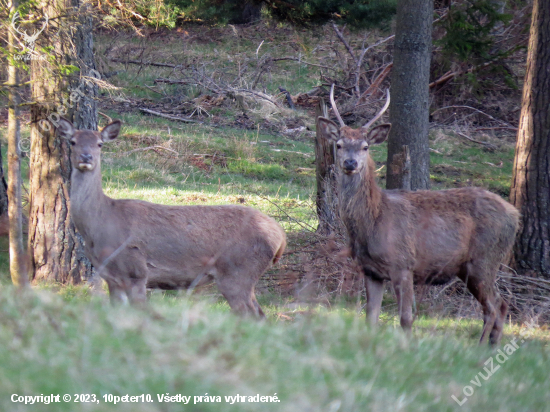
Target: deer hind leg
[242,300]
[496,333]
[236,284]
[375,293]
[482,286]
[404,293]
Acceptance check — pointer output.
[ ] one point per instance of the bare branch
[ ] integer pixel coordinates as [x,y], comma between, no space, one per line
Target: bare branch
[142,63]
[304,62]
[155,148]
[167,116]
[346,44]
[487,145]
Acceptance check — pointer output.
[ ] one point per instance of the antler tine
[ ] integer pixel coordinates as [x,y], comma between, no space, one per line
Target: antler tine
[334,108]
[381,112]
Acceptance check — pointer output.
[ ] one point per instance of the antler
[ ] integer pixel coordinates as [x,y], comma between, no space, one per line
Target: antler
[334,108]
[381,112]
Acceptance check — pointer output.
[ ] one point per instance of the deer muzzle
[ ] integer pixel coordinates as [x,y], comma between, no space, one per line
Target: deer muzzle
[350,166]
[85,162]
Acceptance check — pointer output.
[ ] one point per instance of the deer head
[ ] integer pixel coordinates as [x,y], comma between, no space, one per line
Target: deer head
[86,144]
[352,145]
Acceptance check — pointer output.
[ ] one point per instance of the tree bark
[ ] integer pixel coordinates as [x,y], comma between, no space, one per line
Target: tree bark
[18,271]
[85,109]
[409,105]
[56,250]
[3,187]
[530,191]
[325,174]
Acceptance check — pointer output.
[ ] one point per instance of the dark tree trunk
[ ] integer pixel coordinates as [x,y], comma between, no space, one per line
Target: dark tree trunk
[326,200]
[56,250]
[409,93]
[3,190]
[530,191]
[85,109]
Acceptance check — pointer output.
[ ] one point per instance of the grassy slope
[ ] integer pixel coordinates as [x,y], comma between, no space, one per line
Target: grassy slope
[321,361]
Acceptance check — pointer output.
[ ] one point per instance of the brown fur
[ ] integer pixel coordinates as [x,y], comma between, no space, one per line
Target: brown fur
[135,244]
[422,237]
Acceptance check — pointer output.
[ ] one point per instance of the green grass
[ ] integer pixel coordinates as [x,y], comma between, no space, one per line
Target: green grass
[321,361]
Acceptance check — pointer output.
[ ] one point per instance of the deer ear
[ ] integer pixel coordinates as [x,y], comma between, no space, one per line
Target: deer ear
[378,134]
[110,132]
[65,128]
[328,128]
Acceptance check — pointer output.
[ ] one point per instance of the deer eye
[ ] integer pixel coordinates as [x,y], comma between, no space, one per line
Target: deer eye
[72,142]
[338,146]
[365,148]
[100,144]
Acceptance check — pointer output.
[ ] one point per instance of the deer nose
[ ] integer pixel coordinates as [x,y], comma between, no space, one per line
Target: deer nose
[86,158]
[350,164]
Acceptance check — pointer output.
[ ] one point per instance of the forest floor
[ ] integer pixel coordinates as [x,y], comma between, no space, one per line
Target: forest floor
[314,350]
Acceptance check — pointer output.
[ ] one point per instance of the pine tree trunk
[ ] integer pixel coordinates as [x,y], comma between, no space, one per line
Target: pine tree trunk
[3,189]
[85,109]
[18,269]
[530,191]
[409,105]
[56,250]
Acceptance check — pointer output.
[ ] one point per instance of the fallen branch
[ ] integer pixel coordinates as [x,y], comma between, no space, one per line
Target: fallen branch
[155,148]
[360,62]
[304,62]
[153,90]
[450,74]
[343,40]
[476,110]
[259,94]
[291,151]
[514,129]
[375,85]
[168,116]
[142,63]
[445,78]
[194,82]
[488,145]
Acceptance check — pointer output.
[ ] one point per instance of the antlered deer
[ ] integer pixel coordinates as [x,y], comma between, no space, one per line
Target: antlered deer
[135,244]
[425,237]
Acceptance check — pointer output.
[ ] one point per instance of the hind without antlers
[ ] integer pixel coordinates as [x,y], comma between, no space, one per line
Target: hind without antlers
[136,245]
[419,237]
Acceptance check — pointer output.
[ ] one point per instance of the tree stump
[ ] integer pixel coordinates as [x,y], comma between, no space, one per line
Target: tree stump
[325,173]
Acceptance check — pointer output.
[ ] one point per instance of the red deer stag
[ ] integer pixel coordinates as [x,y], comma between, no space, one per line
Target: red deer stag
[421,237]
[135,244]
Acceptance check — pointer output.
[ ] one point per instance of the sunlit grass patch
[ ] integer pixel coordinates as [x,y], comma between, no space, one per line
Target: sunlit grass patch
[313,359]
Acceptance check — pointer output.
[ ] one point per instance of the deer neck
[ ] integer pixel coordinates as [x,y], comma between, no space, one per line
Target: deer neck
[87,199]
[360,198]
